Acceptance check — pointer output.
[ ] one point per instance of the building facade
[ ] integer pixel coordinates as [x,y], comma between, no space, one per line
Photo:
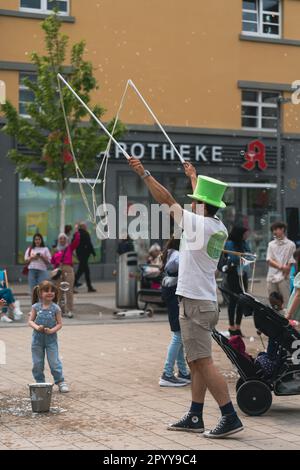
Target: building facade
[214,74]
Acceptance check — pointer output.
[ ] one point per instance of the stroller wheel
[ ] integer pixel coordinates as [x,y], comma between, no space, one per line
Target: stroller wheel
[149,312]
[239,383]
[141,304]
[254,398]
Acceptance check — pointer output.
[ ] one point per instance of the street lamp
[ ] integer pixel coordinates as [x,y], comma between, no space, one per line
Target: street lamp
[279,100]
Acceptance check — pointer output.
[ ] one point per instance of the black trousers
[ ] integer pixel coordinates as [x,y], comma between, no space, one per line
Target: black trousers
[83,268]
[235,310]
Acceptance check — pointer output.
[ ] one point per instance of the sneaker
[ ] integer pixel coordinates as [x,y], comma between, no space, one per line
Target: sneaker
[70,315]
[172,381]
[17,313]
[227,425]
[5,319]
[91,289]
[63,387]
[188,423]
[184,377]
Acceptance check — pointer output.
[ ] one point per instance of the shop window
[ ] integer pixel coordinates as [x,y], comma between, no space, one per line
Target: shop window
[262,17]
[254,208]
[26,96]
[259,110]
[45,6]
[39,211]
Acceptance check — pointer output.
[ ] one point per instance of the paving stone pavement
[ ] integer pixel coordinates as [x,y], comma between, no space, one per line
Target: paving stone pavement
[115,401]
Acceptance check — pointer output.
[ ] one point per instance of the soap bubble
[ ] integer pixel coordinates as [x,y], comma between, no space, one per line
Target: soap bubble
[64,286]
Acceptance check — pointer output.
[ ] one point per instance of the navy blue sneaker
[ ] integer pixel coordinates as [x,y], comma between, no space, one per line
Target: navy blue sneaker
[172,381]
[229,424]
[188,423]
[184,377]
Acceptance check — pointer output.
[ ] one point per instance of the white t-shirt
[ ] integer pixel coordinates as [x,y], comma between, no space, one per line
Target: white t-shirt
[39,263]
[201,245]
[281,251]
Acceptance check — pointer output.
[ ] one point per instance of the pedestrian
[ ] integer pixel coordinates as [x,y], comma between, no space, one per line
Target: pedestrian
[45,320]
[63,259]
[236,276]
[280,259]
[203,239]
[293,306]
[154,255]
[68,231]
[84,250]
[170,264]
[37,259]
[292,277]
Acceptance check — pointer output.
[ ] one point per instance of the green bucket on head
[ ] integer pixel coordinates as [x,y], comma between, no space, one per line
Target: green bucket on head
[210,191]
[40,395]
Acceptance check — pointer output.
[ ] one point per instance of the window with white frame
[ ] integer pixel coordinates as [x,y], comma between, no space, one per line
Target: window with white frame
[259,110]
[45,6]
[262,17]
[26,96]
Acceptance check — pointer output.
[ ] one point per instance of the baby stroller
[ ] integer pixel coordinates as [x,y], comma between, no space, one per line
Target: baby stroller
[149,293]
[255,386]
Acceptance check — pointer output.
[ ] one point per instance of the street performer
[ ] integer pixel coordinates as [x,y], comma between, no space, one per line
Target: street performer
[201,245]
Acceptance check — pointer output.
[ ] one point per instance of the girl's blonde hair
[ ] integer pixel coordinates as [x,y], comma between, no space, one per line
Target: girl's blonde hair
[44,286]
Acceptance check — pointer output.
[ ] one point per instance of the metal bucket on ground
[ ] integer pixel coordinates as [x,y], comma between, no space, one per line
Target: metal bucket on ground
[40,395]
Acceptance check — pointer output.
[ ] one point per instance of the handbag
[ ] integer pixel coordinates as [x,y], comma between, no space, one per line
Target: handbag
[25,270]
[57,272]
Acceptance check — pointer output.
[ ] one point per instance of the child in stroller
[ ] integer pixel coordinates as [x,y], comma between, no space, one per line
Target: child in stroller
[255,385]
[149,293]
[150,281]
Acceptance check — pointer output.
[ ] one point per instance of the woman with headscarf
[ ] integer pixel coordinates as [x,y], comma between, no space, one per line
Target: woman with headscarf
[63,259]
[236,276]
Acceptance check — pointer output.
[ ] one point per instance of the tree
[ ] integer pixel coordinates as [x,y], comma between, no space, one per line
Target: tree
[44,134]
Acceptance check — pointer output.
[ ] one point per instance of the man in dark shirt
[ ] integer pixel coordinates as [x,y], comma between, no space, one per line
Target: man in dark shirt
[83,252]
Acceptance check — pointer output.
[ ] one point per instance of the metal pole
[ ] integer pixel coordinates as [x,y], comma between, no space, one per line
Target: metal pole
[278,162]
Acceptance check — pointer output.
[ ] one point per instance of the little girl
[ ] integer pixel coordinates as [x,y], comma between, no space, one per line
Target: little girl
[45,319]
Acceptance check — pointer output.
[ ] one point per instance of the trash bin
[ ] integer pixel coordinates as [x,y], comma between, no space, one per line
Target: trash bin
[126,286]
[40,395]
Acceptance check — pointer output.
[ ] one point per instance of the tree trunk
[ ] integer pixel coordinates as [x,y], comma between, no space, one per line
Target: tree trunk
[62,210]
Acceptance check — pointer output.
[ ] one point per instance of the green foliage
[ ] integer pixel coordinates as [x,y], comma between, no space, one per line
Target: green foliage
[44,134]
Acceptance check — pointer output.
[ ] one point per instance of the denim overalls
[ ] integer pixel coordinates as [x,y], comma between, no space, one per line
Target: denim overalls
[42,343]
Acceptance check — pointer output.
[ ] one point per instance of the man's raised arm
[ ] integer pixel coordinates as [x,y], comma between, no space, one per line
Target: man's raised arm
[158,191]
[191,173]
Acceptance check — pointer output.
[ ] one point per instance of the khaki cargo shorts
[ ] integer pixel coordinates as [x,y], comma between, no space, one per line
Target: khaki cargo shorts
[197,320]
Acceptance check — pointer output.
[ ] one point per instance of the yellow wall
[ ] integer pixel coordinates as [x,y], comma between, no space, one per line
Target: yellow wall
[186,57]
